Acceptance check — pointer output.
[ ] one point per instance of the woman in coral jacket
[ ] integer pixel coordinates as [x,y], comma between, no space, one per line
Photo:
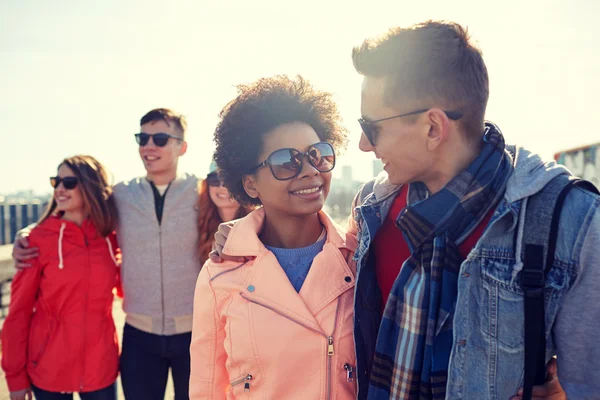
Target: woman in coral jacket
[280,325]
[59,336]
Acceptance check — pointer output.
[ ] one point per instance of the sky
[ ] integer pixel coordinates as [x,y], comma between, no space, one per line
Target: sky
[77,75]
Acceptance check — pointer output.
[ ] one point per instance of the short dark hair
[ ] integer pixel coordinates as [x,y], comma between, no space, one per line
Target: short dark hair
[434,61]
[261,107]
[168,116]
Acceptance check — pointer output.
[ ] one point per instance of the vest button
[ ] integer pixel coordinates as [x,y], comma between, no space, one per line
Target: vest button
[348,279]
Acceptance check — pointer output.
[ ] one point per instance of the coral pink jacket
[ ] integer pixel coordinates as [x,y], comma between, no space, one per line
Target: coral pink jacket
[255,337]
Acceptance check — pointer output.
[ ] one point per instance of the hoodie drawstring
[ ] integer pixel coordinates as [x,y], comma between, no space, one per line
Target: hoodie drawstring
[61,265]
[110,249]
[519,243]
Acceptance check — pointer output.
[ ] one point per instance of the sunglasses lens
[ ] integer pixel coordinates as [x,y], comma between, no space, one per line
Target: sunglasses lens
[285,163]
[213,181]
[322,157]
[367,130]
[160,139]
[142,138]
[70,182]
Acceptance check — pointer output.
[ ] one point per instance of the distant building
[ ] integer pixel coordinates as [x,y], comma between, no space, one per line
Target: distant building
[582,161]
[18,210]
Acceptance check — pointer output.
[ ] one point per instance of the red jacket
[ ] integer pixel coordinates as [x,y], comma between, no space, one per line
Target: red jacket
[59,333]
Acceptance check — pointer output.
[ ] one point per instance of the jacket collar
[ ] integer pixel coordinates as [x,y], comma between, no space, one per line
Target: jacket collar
[268,285]
[243,239]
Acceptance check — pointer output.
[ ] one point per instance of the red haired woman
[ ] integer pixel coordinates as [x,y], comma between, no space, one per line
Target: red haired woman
[215,206]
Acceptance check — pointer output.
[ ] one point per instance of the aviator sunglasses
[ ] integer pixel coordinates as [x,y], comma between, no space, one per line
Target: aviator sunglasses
[159,139]
[69,182]
[286,163]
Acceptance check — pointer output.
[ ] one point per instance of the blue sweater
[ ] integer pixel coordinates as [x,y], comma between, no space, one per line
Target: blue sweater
[296,262]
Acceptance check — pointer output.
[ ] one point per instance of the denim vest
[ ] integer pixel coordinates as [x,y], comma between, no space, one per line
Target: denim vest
[487,357]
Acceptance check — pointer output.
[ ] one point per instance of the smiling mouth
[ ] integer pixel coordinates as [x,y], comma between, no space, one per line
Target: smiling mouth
[151,158]
[62,198]
[308,191]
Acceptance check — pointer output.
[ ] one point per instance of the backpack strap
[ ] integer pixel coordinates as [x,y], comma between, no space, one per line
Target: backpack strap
[539,248]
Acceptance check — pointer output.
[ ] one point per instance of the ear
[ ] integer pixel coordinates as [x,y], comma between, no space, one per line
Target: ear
[183,148]
[438,128]
[249,182]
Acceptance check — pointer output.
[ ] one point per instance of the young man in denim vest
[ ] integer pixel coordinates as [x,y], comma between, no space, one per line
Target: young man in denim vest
[158,235]
[439,308]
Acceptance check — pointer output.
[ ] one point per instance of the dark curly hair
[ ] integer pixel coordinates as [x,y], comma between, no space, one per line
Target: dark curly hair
[261,107]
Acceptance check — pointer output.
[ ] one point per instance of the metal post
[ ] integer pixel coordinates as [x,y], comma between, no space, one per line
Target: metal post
[2,225]
[24,216]
[12,212]
[35,212]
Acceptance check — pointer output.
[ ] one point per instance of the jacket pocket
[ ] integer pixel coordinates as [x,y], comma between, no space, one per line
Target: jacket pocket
[39,343]
[503,316]
[243,383]
[502,307]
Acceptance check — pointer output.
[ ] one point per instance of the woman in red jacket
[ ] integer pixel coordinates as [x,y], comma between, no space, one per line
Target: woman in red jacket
[59,336]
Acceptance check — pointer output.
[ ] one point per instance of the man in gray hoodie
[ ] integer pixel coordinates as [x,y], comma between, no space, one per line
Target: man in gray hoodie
[158,234]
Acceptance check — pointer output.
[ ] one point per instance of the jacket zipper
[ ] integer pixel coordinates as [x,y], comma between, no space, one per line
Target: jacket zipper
[330,347]
[245,380]
[162,286]
[88,269]
[349,373]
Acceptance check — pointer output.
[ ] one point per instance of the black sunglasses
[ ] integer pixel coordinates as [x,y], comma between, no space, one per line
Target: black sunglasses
[159,139]
[286,163]
[213,180]
[370,129]
[69,182]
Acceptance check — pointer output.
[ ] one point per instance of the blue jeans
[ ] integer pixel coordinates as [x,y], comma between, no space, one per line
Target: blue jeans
[109,393]
[145,362]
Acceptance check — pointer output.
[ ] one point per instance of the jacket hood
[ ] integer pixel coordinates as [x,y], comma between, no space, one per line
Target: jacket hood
[55,224]
[530,174]
[67,230]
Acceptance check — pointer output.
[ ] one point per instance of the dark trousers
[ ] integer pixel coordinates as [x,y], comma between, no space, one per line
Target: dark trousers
[145,362]
[109,393]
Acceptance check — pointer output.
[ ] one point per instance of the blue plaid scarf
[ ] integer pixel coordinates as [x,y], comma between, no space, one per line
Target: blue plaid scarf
[415,337]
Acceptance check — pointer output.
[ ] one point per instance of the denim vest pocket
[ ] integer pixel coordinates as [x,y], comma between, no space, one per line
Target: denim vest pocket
[503,300]
[503,319]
